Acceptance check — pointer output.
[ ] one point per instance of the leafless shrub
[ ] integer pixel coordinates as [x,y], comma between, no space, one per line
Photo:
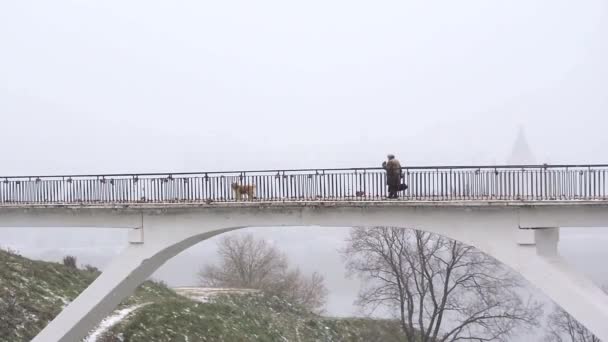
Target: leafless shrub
[70,261]
[255,264]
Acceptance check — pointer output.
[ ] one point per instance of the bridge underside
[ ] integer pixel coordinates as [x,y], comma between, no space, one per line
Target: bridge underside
[523,236]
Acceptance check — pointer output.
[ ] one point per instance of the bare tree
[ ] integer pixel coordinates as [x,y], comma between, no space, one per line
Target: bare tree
[562,327]
[255,264]
[70,261]
[440,289]
[309,292]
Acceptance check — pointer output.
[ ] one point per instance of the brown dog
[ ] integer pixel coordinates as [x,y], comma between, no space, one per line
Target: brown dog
[239,190]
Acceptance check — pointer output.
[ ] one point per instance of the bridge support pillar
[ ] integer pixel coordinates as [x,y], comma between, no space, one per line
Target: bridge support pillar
[546,240]
[136,235]
[537,259]
[118,280]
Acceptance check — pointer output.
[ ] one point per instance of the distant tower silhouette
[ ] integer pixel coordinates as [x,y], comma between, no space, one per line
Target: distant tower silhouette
[521,153]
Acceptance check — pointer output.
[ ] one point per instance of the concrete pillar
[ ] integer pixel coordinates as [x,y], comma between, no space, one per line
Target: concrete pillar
[526,237]
[96,302]
[546,240]
[136,235]
[120,279]
[538,261]
[569,289]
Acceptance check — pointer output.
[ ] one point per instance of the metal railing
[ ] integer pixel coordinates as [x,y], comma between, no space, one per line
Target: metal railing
[446,183]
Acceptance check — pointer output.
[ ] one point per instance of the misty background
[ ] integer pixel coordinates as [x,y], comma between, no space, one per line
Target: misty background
[156,86]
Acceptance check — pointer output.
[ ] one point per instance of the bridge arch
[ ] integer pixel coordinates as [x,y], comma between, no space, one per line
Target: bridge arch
[165,233]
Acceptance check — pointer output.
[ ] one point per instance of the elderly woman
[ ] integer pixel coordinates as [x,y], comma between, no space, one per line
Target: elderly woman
[393,175]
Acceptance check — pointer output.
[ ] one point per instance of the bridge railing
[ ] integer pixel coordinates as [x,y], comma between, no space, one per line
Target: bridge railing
[464,183]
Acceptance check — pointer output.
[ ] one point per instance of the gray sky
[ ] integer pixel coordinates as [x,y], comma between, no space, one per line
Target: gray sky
[105,86]
[139,86]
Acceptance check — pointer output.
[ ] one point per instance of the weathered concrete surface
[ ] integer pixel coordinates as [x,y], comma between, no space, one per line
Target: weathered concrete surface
[530,214]
[165,231]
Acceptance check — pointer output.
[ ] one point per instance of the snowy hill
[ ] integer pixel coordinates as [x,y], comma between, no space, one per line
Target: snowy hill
[33,292]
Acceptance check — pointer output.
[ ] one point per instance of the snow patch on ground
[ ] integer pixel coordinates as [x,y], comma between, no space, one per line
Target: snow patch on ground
[206,294]
[110,321]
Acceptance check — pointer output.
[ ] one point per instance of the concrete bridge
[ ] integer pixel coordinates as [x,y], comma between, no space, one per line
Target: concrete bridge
[513,213]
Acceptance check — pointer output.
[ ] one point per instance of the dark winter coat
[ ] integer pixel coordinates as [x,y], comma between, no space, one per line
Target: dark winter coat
[393,172]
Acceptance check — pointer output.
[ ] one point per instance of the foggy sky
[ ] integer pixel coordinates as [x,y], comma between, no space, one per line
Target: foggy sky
[136,86]
[143,86]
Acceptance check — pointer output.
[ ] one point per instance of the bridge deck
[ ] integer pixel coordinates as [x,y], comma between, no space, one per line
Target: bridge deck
[299,204]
